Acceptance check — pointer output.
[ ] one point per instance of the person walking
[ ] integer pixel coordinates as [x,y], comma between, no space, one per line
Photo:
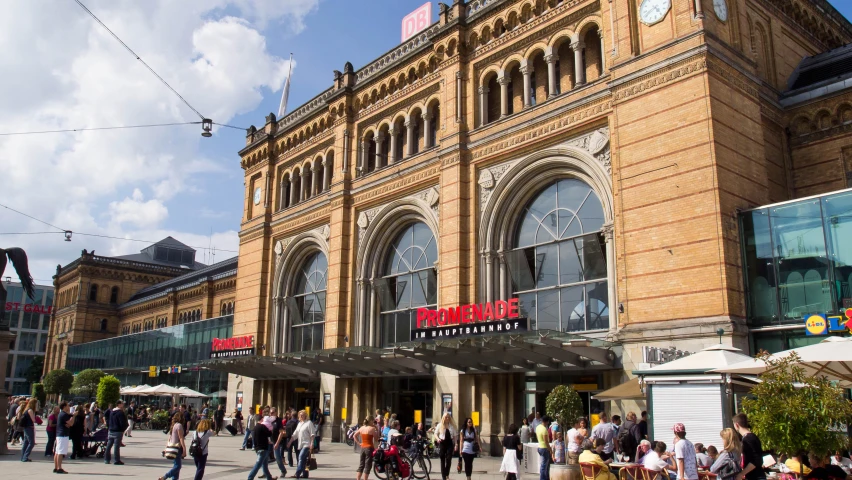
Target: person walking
[238,416]
[260,437]
[304,435]
[525,432]
[78,428]
[366,436]
[51,432]
[219,417]
[727,463]
[131,419]
[201,437]
[468,446]
[446,436]
[279,436]
[290,429]
[64,421]
[629,437]
[252,422]
[117,428]
[176,440]
[687,464]
[752,450]
[544,452]
[511,448]
[605,431]
[27,425]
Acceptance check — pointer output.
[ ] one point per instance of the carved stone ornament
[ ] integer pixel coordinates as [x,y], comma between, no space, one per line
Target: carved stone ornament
[486,180]
[363,221]
[325,231]
[597,144]
[598,141]
[432,197]
[279,247]
[489,177]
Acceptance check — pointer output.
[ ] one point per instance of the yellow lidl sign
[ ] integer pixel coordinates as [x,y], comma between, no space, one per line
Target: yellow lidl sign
[816,324]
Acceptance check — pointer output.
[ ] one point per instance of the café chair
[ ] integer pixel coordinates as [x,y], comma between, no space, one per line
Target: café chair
[590,470]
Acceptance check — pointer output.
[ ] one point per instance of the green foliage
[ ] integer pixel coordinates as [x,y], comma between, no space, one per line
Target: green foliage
[86,383]
[109,390]
[39,393]
[564,404]
[33,372]
[791,411]
[160,419]
[58,382]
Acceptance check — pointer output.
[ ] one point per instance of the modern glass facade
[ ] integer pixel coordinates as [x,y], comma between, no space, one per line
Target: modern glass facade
[29,320]
[129,357]
[797,261]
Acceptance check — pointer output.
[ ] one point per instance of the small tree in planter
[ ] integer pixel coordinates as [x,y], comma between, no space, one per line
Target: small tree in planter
[39,394]
[564,405]
[109,390]
[792,411]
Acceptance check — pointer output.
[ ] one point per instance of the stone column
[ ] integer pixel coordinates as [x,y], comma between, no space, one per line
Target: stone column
[483,105]
[392,154]
[380,153]
[489,275]
[369,311]
[504,96]
[305,173]
[345,166]
[612,293]
[284,335]
[503,294]
[294,194]
[359,292]
[459,96]
[282,194]
[603,57]
[579,68]
[409,125]
[326,175]
[527,72]
[551,75]
[316,186]
[427,130]
[362,162]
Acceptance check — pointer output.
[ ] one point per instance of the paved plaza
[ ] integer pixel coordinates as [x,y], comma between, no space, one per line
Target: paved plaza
[143,459]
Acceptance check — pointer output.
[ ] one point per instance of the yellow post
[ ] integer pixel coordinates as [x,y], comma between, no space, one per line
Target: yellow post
[418,416]
[475,417]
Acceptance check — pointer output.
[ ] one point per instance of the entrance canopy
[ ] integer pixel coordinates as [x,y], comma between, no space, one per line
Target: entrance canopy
[260,368]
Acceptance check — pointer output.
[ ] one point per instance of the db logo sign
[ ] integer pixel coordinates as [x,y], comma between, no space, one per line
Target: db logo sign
[816,325]
[416,21]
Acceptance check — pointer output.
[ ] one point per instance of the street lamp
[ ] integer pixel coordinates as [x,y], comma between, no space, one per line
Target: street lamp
[206,126]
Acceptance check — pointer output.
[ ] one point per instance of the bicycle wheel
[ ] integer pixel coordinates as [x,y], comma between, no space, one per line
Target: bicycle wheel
[379,475]
[421,467]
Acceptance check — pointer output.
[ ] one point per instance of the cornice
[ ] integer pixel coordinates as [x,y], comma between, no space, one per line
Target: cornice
[319,215]
[420,177]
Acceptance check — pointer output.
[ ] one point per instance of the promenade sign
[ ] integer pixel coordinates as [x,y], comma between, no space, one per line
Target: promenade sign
[416,21]
[469,320]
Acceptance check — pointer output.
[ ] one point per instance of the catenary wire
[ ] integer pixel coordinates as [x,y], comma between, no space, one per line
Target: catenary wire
[229,126]
[61,230]
[140,59]
[67,130]
[114,238]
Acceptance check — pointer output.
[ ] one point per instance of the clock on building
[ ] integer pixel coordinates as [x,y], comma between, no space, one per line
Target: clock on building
[652,11]
[721,9]
[257,195]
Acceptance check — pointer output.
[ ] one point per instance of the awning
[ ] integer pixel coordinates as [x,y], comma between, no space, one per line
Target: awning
[358,362]
[260,368]
[628,390]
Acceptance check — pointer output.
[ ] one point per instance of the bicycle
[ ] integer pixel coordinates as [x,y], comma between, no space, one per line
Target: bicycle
[421,465]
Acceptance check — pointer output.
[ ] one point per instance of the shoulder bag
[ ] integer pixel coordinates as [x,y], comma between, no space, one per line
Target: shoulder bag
[172,451]
[312,463]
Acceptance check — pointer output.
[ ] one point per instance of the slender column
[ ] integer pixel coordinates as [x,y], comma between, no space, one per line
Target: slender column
[551,74]
[483,105]
[345,166]
[527,72]
[504,293]
[427,130]
[392,154]
[294,194]
[489,276]
[282,194]
[362,161]
[380,153]
[603,57]
[284,337]
[266,195]
[359,292]
[409,125]
[504,96]
[275,334]
[458,96]
[612,293]
[326,175]
[371,322]
[316,186]
[579,68]
[305,173]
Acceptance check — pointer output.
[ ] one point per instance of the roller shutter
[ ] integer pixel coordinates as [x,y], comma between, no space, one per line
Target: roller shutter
[698,407]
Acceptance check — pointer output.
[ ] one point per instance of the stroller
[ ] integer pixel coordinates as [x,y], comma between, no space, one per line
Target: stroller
[95,444]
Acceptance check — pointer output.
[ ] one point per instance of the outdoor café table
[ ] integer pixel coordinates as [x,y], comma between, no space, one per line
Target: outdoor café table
[627,467]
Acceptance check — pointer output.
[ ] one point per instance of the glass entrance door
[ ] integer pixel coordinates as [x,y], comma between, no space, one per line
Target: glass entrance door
[404,396]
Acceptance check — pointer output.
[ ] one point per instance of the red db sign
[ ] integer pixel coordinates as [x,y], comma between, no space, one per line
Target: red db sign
[416,21]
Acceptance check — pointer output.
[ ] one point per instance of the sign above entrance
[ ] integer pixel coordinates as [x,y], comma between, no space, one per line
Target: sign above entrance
[232,347]
[469,320]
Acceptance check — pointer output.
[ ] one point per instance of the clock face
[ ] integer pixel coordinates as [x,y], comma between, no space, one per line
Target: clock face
[721,9]
[257,195]
[652,11]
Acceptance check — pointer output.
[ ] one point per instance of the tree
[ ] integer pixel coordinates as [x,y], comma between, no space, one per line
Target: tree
[86,382]
[58,382]
[564,405]
[39,393]
[33,372]
[791,411]
[109,390]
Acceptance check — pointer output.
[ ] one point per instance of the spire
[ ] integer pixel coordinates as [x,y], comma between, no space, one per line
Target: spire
[282,108]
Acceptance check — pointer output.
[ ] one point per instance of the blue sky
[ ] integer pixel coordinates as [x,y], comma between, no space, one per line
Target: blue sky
[227,57]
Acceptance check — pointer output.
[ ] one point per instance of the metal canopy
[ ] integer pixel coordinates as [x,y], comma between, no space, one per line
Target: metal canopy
[358,362]
[542,350]
[260,368]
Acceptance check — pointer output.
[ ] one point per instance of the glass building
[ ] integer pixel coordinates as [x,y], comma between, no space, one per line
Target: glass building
[129,357]
[797,261]
[29,320]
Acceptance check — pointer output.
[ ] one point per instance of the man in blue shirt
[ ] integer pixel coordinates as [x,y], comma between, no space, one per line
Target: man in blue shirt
[117,426]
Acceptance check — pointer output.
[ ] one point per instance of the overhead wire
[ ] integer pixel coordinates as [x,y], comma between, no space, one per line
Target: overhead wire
[140,60]
[62,230]
[67,130]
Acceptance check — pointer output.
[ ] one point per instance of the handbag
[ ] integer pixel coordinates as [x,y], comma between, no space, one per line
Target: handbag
[459,465]
[172,451]
[475,447]
[312,463]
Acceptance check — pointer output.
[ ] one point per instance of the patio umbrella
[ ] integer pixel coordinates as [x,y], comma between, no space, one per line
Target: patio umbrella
[188,392]
[830,358]
[220,393]
[162,390]
[628,390]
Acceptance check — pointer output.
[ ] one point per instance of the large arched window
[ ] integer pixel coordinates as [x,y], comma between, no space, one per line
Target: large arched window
[409,282]
[307,305]
[558,264]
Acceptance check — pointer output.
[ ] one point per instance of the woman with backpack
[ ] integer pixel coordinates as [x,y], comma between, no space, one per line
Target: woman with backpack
[727,464]
[198,447]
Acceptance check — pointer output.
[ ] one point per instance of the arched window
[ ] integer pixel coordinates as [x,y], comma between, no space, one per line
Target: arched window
[103,324]
[307,305]
[558,264]
[113,295]
[93,293]
[409,282]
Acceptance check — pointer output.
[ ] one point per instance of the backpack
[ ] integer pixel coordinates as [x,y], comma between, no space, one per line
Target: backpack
[626,440]
[729,467]
[195,448]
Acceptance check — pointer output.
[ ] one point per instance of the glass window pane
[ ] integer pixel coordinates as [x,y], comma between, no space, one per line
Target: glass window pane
[801,259]
[837,210]
[401,288]
[548,228]
[598,305]
[546,265]
[592,256]
[570,270]
[526,305]
[548,310]
[317,335]
[521,264]
[402,329]
[573,309]
[759,271]
[591,214]
[388,330]
[319,307]
[383,289]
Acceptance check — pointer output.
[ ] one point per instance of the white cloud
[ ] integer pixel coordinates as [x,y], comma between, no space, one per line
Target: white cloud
[65,71]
